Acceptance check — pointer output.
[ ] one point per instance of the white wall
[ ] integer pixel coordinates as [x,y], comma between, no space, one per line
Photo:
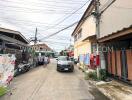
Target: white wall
[88,27]
[116,17]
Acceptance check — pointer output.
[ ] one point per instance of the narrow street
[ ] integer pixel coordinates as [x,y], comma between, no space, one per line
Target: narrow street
[47,84]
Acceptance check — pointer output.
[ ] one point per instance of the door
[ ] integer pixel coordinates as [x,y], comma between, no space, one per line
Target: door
[124,68]
[129,63]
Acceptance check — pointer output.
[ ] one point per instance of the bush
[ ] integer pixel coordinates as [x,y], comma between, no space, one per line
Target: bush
[3,90]
[102,74]
[91,75]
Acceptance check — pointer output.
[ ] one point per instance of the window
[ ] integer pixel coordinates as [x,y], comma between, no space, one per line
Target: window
[75,37]
[93,47]
[41,48]
[80,33]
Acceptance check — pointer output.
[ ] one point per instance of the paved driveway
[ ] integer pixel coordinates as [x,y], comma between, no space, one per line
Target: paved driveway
[47,84]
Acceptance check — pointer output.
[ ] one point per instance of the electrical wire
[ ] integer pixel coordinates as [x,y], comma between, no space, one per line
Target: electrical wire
[38,6]
[60,30]
[45,1]
[66,18]
[69,15]
[36,9]
[56,42]
[64,28]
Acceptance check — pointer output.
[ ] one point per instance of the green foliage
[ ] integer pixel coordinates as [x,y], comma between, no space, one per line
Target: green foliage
[3,90]
[91,75]
[102,74]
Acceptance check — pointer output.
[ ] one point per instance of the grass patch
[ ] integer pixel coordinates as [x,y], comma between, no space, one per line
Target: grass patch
[3,90]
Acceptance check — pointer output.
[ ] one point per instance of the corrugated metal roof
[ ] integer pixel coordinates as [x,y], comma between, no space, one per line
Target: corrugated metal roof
[13,32]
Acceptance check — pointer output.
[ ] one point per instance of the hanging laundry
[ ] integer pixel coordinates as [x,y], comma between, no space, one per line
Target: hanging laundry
[87,59]
[81,58]
[92,61]
[97,60]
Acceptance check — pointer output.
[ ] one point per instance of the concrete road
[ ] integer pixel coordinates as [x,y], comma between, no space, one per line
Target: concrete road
[47,84]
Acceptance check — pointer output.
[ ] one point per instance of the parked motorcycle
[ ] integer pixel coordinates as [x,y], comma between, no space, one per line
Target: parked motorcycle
[22,68]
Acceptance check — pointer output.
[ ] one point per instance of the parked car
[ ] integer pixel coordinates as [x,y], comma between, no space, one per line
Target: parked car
[64,64]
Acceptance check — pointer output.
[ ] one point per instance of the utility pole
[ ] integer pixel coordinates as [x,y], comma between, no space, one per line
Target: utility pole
[97,3]
[35,42]
[35,38]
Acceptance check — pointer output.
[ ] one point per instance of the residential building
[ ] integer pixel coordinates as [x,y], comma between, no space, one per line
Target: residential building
[84,33]
[116,34]
[85,42]
[12,41]
[41,47]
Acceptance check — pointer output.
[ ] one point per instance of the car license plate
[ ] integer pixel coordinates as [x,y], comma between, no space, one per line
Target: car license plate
[66,68]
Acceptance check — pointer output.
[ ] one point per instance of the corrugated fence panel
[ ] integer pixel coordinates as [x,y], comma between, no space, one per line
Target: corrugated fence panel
[118,55]
[113,62]
[129,63]
[109,62]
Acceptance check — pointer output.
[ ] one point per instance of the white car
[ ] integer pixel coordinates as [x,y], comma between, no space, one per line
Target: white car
[64,64]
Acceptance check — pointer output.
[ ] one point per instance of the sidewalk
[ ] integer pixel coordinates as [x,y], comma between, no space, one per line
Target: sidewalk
[116,90]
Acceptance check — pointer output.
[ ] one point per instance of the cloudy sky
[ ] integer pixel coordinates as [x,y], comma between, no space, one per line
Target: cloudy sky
[49,16]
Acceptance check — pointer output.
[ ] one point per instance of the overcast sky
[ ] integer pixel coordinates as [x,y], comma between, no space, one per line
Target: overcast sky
[26,15]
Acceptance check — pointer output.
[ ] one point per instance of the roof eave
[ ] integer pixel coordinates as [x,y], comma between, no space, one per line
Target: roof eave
[81,20]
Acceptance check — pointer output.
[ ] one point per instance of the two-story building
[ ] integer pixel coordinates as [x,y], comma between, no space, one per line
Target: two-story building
[84,33]
[41,47]
[12,41]
[116,33]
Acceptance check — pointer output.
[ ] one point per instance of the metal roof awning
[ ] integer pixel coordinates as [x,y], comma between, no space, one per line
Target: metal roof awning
[5,31]
[91,38]
[115,36]
[6,38]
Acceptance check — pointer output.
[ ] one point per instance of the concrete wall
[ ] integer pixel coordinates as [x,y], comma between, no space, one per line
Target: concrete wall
[88,27]
[82,48]
[116,17]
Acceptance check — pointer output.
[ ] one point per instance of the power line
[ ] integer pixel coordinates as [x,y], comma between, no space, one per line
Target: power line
[69,15]
[64,28]
[28,21]
[74,2]
[46,6]
[34,12]
[31,25]
[60,30]
[56,42]
[49,9]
